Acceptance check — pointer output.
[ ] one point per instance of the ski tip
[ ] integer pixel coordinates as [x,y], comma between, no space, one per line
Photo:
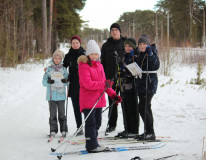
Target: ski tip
[53,150]
[59,157]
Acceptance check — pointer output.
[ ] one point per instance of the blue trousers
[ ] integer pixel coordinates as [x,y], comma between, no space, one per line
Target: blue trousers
[92,126]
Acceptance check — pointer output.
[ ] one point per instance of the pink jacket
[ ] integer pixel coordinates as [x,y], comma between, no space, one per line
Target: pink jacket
[92,84]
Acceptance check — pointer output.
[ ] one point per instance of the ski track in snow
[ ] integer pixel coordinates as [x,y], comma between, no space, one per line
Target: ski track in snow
[178,108]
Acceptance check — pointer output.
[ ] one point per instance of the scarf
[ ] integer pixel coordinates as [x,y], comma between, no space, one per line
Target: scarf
[57,67]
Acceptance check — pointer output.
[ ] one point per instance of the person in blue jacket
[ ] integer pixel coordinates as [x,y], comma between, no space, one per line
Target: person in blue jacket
[55,79]
[148,61]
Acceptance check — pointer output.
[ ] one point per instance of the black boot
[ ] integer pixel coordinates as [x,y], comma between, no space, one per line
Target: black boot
[147,136]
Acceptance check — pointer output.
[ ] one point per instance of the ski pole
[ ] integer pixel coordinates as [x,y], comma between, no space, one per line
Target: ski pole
[70,139]
[145,114]
[66,127]
[113,102]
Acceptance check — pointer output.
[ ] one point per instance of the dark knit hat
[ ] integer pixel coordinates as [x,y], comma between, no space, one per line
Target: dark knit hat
[115,25]
[144,39]
[131,42]
[76,37]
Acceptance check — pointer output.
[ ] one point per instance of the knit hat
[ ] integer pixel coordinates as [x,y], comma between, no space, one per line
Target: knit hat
[58,53]
[144,39]
[115,25]
[76,37]
[131,42]
[92,47]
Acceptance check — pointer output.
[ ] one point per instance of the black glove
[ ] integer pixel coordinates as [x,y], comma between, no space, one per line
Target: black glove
[64,80]
[50,81]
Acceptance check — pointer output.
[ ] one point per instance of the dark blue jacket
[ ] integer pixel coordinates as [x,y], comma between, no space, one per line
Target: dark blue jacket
[153,65]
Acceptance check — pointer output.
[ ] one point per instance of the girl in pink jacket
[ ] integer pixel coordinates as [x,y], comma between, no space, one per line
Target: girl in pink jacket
[92,84]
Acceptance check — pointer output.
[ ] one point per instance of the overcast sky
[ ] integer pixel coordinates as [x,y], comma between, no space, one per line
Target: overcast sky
[102,13]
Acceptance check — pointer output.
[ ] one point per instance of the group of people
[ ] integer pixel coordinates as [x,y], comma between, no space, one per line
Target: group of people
[96,71]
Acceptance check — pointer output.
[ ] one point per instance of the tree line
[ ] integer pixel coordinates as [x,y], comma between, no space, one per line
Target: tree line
[35,27]
[30,28]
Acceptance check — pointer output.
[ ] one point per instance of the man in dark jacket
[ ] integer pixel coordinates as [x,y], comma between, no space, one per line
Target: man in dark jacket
[112,53]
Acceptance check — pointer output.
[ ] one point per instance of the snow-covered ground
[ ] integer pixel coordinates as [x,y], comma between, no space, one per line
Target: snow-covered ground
[178,108]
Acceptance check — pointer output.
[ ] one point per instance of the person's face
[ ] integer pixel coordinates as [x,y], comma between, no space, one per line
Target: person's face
[75,44]
[94,56]
[115,33]
[57,60]
[142,47]
[127,48]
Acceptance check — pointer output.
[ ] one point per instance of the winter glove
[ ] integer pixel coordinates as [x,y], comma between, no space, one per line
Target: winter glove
[108,83]
[117,98]
[149,51]
[50,81]
[132,53]
[64,80]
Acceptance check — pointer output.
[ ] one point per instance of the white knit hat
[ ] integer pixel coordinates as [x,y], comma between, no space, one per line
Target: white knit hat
[58,53]
[92,47]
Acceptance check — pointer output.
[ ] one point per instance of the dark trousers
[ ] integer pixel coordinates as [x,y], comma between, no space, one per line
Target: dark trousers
[55,106]
[146,113]
[92,126]
[113,112]
[131,112]
[77,113]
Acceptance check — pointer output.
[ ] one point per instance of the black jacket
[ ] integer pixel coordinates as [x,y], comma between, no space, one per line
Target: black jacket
[70,61]
[153,65]
[127,78]
[108,57]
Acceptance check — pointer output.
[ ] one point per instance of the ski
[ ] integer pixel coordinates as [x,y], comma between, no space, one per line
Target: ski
[162,158]
[114,149]
[118,140]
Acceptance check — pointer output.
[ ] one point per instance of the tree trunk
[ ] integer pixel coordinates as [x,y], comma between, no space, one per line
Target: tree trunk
[21,32]
[50,27]
[44,28]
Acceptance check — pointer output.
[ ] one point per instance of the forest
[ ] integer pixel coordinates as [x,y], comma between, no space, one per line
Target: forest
[35,28]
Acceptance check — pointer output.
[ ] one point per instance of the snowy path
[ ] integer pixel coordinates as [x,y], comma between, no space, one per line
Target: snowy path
[179,112]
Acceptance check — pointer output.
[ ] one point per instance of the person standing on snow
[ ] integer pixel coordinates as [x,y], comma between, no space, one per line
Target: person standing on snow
[148,61]
[130,99]
[92,87]
[55,79]
[70,61]
[112,53]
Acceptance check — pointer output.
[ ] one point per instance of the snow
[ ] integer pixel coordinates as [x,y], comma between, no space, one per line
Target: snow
[178,108]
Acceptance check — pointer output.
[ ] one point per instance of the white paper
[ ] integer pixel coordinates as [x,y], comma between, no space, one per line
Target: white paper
[134,69]
[57,76]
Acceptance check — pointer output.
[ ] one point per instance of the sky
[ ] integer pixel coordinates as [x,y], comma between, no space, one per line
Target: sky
[102,13]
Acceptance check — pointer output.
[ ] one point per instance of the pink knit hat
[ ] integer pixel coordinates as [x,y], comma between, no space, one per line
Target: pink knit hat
[76,37]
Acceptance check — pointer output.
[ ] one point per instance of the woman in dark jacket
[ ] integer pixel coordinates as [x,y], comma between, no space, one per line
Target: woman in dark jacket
[70,61]
[148,61]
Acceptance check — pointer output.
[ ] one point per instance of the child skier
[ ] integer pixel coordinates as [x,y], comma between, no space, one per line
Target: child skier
[130,101]
[92,85]
[148,61]
[55,79]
